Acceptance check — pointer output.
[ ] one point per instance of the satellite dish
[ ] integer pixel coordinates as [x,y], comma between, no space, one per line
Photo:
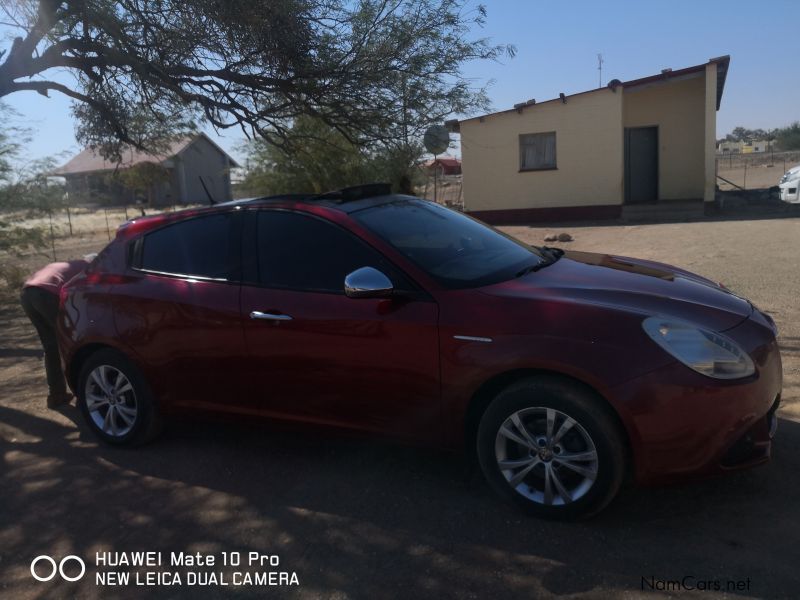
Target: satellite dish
[436,139]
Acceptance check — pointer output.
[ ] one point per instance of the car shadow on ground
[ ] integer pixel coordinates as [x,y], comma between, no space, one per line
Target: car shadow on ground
[367,519]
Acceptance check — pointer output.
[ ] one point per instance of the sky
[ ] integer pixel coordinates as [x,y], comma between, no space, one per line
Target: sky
[557,45]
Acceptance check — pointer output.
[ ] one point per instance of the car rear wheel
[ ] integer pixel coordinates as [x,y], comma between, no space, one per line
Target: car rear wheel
[115,400]
[551,447]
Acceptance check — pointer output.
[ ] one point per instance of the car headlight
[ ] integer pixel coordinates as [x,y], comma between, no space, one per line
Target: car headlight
[704,351]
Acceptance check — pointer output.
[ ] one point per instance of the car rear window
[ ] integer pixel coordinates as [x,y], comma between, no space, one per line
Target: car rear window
[197,247]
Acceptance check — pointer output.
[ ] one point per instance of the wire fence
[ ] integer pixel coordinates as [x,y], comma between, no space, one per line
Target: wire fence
[61,226]
[67,225]
[735,160]
[755,171]
[443,189]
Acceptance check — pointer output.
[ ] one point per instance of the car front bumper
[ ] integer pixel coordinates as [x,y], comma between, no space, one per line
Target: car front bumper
[790,192]
[683,425]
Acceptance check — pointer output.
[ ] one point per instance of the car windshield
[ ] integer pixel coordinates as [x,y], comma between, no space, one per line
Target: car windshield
[454,249]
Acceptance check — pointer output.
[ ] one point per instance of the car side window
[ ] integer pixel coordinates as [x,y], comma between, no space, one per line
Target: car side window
[199,247]
[301,252]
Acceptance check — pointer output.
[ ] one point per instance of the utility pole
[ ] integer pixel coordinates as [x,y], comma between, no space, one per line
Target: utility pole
[599,70]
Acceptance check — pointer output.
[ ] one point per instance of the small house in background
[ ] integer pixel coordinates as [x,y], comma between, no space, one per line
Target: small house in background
[192,170]
[744,147]
[643,148]
[444,165]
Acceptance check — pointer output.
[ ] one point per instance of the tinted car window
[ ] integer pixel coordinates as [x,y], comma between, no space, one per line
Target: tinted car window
[301,252]
[199,247]
[454,249]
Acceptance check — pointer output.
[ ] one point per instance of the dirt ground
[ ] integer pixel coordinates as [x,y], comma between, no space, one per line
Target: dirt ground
[361,518]
[761,177]
[755,171]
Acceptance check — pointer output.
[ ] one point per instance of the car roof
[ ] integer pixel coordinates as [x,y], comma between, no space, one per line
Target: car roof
[349,206]
[347,200]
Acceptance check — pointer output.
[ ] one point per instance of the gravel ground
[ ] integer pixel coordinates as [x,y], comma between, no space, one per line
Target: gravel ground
[363,519]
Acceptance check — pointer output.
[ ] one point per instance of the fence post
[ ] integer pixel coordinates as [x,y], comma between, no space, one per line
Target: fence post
[52,234]
[744,185]
[69,220]
[435,179]
[108,228]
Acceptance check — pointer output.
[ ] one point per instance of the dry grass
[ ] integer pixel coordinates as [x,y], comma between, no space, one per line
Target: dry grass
[755,171]
[75,234]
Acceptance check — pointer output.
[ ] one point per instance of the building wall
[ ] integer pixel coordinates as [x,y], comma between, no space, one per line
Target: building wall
[709,193]
[164,193]
[589,156]
[678,108]
[96,188]
[743,147]
[201,158]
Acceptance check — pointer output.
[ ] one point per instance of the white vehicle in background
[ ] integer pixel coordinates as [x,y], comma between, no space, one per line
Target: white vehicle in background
[788,185]
[792,173]
[789,191]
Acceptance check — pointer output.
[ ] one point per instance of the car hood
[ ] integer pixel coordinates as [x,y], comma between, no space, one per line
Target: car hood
[629,284]
[790,176]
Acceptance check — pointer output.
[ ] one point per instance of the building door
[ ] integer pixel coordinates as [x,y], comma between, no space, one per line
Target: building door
[641,165]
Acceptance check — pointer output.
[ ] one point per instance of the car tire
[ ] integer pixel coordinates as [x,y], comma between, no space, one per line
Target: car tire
[557,474]
[116,401]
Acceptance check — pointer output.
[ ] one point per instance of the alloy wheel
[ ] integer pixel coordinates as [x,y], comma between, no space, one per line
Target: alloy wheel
[546,456]
[111,401]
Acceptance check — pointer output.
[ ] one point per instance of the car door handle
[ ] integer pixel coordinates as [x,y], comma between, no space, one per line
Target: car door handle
[257,314]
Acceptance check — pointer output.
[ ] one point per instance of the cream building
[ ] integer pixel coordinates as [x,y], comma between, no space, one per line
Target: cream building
[632,147]
[744,147]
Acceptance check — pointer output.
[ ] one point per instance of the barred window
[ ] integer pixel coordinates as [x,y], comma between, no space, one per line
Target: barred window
[537,151]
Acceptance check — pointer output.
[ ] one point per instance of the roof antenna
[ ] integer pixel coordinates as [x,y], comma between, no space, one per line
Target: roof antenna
[600,70]
[211,200]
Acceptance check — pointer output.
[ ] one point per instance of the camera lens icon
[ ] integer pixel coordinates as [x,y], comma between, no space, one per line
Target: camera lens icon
[57,567]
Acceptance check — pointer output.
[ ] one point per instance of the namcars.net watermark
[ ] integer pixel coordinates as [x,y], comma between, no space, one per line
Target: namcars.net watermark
[156,568]
[689,583]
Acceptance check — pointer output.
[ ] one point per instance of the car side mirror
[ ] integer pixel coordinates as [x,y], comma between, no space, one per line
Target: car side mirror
[367,282]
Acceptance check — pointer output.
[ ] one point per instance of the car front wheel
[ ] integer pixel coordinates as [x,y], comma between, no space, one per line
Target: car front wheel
[552,447]
[115,400]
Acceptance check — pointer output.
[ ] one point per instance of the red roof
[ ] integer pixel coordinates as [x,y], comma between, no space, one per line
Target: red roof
[447,161]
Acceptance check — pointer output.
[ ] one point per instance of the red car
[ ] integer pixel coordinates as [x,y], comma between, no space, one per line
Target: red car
[562,371]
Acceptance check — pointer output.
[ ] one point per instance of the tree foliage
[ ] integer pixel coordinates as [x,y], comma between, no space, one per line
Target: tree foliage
[785,138]
[24,190]
[141,178]
[376,71]
[742,134]
[12,139]
[323,159]
[788,138]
